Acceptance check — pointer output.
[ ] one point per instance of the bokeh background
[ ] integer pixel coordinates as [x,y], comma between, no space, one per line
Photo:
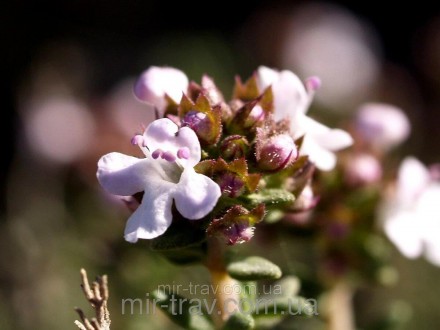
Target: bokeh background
[69,68]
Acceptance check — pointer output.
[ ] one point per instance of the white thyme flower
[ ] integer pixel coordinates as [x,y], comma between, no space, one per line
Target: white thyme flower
[292,100]
[165,175]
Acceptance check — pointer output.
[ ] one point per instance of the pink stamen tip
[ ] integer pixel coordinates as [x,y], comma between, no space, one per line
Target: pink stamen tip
[183,153]
[157,153]
[168,156]
[137,140]
[313,83]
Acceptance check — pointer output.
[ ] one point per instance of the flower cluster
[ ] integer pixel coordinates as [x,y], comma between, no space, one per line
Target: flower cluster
[227,164]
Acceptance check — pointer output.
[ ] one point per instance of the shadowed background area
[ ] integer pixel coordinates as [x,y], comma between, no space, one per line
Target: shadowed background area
[69,69]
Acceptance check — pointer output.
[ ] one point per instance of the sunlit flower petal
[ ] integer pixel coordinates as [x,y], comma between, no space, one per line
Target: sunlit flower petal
[196,194]
[153,216]
[290,94]
[122,175]
[156,82]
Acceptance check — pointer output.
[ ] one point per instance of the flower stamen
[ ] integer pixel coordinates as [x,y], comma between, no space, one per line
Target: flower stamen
[168,156]
[183,153]
[157,153]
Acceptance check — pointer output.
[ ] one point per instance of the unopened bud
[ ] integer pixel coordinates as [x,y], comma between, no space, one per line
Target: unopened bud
[200,123]
[256,116]
[234,146]
[231,184]
[238,233]
[277,153]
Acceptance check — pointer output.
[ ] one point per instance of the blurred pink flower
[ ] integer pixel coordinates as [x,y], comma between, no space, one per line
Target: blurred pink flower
[363,168]
[411,217]
[58,128]
[382,125]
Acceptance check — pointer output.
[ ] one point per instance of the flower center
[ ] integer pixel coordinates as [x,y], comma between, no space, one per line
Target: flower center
[167,162]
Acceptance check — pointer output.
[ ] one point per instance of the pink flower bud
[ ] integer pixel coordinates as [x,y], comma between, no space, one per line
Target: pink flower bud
[234,146]
[199,123]
[256,116]
[363,169]
[381,125]
[238,233]
[277,153]
[231,184]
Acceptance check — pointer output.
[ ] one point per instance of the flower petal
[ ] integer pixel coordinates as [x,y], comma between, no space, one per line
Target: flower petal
[290,96]
[413,177]
[120,174]
[165,135]
[328,138]
[153,216]
[196,194]
[155,82]
[402,229]
[432,252]
[323,159]
[383,125]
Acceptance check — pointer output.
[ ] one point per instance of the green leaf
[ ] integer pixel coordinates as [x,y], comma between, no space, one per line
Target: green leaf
[239,321]
[183,242]
[175,240]
[273,216]
[247,91]
[271,196]
[188,313]
[290,286]
[253,268]
[283,306]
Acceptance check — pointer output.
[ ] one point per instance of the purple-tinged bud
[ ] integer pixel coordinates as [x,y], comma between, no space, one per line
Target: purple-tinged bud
[238,233]
[381,125]
[237,224]
[199,122]
[277,153]
[234,146]
[231,184]
[256,116]
[363,169]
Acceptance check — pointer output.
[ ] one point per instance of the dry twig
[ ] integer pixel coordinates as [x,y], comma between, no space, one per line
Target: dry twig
[97,295]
